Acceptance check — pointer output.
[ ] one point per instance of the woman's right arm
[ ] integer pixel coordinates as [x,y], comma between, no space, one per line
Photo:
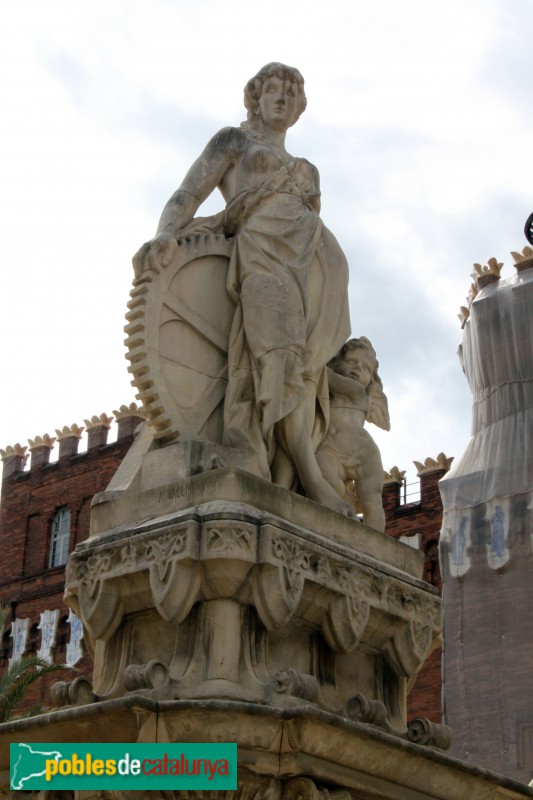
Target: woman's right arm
[205,175]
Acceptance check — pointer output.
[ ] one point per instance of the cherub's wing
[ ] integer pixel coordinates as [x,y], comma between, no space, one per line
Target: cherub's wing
[378,411]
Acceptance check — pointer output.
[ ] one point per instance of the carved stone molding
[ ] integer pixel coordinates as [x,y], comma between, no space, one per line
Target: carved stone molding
[210,599]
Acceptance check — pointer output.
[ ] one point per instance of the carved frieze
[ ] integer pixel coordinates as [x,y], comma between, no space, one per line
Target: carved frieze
[294,582]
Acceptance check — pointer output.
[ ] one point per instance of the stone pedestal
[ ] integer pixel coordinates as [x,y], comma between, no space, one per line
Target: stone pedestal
[283,754]
[224,586]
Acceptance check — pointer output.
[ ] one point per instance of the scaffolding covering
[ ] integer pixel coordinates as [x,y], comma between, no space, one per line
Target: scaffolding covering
[486,539]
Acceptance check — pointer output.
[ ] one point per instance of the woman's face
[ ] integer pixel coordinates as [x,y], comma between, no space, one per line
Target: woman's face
[278,103]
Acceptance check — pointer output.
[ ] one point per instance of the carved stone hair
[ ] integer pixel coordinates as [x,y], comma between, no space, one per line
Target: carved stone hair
[356,344]
[252,90]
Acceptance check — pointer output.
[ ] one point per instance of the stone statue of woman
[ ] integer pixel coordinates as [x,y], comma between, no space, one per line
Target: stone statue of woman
[287,276]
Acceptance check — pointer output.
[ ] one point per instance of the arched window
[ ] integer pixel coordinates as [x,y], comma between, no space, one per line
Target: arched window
[60,537]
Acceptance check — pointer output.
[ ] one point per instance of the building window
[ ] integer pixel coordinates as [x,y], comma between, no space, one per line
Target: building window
[60,538]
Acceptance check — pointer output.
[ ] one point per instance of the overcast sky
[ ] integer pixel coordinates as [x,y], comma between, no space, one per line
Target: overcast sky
[419,120]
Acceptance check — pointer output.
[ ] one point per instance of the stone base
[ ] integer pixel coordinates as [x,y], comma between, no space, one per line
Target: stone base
[296,754]
[232,588]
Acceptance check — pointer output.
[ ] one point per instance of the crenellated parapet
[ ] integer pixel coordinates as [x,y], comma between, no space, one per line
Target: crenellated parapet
[485,274]
[523,260]
[69,438]
[40,449]
[490,273]
[441,463]
[97,428]
[128,419]
[396,475]
[14,458]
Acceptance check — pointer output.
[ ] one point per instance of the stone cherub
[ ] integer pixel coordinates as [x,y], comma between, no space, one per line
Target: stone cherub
[348,456]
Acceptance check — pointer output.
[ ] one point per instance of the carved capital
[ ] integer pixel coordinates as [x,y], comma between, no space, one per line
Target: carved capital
[174,579]
[277,586]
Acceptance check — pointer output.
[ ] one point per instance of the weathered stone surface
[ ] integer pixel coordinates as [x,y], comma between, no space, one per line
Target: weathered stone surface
[244,363]
[227,598]
[118,510]
[284,754]
[348,456]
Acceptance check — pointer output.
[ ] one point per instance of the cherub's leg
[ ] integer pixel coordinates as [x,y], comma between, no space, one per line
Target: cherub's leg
[297,435]
[369,490]
[331,470]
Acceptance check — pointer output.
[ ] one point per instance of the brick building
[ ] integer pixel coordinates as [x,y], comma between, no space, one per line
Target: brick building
[44,513]
[45,510]
[418,523]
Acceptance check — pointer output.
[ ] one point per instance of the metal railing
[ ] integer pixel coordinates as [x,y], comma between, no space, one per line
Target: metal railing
[409,492]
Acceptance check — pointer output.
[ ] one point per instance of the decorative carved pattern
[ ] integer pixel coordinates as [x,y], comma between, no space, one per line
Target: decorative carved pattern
[225,540]
[153,677]
[422,731]
[296,559]
[288,681]
[78,692]
[360,709]
[161,550]
[129,555]
[92,571]
[306,789]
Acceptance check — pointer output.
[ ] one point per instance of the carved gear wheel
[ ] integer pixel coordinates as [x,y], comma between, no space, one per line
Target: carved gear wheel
[178,328]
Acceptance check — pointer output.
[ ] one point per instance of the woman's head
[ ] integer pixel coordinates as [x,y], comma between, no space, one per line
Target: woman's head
[254,87]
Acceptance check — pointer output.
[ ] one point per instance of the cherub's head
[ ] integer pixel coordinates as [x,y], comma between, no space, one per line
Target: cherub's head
[357,359]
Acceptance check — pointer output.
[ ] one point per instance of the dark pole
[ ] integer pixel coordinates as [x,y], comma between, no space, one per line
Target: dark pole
[528,229]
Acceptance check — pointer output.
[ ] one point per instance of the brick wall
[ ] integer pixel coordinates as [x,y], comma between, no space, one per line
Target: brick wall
[423,518]
[30,500]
